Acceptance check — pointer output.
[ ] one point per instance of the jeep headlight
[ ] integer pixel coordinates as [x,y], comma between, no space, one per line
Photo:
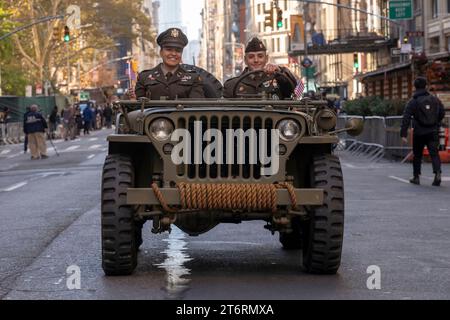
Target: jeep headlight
[289,129]
[161,129]
[326,119]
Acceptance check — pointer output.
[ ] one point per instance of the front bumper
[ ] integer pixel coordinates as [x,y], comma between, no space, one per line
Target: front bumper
[144,196]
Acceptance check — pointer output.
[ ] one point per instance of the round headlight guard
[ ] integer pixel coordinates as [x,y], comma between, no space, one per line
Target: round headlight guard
[289,129]
[161,129]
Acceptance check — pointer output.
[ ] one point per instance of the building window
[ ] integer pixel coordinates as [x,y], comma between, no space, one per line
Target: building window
[278,45]
[285,5]
[448,6]
[434,44]
[259,8]
[434,8]
[260,27]
[273,44]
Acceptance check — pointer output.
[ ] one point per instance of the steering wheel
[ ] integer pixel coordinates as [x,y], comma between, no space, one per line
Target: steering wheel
[270,78]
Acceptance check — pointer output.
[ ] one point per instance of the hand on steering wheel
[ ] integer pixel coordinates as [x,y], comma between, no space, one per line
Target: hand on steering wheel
[270,77]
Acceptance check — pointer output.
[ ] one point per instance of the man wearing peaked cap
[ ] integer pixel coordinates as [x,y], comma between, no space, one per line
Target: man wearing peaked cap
[256,58]
[169,80]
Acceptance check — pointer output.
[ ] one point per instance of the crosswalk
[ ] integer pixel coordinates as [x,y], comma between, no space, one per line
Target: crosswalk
[61,146]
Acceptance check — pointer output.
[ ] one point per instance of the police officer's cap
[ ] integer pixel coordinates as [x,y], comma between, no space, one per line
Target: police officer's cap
[255,45]
[172,37]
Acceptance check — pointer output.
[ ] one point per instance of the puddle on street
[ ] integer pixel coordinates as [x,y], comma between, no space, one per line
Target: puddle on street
[176,283]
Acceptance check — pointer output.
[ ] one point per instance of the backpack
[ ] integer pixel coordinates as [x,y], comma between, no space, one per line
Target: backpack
[427,114]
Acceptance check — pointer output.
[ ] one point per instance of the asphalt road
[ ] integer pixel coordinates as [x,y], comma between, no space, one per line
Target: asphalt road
[50,215]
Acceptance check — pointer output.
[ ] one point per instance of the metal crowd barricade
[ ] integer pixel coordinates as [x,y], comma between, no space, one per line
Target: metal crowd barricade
[369,143]
[395,148]
[11,133]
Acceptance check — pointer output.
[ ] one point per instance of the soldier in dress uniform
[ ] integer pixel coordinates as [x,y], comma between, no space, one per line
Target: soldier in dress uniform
[256,58]
[169,80]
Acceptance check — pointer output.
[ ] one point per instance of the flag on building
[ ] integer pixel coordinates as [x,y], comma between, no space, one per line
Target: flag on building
[298,91]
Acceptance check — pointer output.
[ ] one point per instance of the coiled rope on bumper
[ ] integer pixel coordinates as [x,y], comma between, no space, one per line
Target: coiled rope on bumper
[227,196]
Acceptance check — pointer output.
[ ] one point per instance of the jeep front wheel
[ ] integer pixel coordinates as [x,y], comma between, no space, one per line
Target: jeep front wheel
[119,248]
[324,231]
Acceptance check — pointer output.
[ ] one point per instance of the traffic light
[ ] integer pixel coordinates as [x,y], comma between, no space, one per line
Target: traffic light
[268,22]
[279,18]
[405,39]
[355,61]
[66,34]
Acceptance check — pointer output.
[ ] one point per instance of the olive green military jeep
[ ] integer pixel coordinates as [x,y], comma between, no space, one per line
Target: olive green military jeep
[195,164]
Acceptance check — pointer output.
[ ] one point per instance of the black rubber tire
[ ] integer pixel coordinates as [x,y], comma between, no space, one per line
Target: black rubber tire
[293,240]
[323,233]
[119,248]
[212,88]
[138,234]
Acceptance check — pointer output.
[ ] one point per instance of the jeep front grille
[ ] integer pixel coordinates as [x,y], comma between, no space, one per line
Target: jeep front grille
[224,171]
[223,120]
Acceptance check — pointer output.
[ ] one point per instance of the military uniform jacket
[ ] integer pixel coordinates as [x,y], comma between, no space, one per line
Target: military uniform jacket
[153,84]
[283,87]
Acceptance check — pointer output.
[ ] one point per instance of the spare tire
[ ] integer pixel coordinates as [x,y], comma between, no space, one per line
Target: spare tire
[212,87]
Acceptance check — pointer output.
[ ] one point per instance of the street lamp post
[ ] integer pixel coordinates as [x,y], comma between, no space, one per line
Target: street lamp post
[305,40]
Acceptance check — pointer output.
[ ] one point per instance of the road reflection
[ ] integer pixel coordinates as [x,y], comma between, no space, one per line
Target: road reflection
[176,284]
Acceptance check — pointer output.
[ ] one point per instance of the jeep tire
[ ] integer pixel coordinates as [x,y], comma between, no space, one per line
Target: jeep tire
[324,231]
[119,247]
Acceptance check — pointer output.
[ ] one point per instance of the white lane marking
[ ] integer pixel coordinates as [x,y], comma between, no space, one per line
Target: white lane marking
[15,186]
[399,179]
[93,139]
[14,155]
[71,148]
[91,156]
[5,151]
[95,146]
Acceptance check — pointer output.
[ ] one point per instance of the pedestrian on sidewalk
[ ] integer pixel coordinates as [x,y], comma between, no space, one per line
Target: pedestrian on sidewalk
[427,112]
[87,118]
[25,142]
[53,120]
[34,127]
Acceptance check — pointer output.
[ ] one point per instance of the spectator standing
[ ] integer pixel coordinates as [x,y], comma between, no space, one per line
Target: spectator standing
[34,127]
[25,142]
[68,122]
[427,112]
[53,120]
[87,118]
[107,114]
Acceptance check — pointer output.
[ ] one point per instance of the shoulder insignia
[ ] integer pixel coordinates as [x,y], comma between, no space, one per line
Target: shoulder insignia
[186,77]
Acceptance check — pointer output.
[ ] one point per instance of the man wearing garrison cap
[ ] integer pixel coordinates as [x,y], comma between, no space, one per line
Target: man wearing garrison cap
[256,58]
[169,80]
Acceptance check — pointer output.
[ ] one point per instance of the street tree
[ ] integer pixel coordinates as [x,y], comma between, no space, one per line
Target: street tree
[13,78]
[103,22]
